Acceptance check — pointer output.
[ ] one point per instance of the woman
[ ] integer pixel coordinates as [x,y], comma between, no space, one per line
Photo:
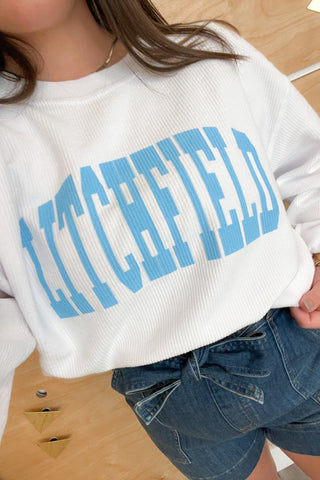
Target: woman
[143,228]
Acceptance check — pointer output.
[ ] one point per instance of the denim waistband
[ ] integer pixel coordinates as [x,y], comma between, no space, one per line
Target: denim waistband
[226,371]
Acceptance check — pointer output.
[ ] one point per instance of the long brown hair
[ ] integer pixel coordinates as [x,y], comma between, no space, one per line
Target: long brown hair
[142,30]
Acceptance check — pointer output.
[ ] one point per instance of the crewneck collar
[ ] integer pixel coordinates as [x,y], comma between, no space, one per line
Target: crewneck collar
[85,86]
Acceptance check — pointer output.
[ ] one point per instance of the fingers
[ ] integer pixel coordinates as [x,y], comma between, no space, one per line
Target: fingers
[307,315]
[300,316]
[306,320]
[310,301]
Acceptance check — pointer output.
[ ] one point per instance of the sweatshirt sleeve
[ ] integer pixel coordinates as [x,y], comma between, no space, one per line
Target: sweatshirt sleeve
[295,154]
[16,344]
[290,131]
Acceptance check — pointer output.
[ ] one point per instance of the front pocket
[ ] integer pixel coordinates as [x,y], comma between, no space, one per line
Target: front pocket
[300,352]
[236,408]
[314,331]
[147,402]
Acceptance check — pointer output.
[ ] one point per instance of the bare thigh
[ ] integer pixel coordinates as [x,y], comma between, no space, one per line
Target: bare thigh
[265,468]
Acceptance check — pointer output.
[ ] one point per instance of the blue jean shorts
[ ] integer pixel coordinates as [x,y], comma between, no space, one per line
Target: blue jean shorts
[210,410]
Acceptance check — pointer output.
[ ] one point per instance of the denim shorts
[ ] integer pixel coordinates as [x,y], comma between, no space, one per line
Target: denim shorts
[210,410]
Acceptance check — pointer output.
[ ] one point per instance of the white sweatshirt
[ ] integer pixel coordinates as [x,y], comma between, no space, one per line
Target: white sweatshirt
[142,214]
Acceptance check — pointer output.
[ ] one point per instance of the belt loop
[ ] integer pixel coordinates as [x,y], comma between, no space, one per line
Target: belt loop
[194,366]
[270,313]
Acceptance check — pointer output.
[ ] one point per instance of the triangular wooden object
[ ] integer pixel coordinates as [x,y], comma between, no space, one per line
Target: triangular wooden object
[54,448]
[41,420]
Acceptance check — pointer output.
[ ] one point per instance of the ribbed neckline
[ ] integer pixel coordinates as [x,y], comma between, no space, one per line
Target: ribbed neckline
[84,86]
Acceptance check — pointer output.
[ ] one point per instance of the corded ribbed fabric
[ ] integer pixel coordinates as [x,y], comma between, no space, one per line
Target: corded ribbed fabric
[142,214]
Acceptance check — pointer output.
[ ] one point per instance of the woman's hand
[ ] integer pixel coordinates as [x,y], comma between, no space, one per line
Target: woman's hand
[307,314]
